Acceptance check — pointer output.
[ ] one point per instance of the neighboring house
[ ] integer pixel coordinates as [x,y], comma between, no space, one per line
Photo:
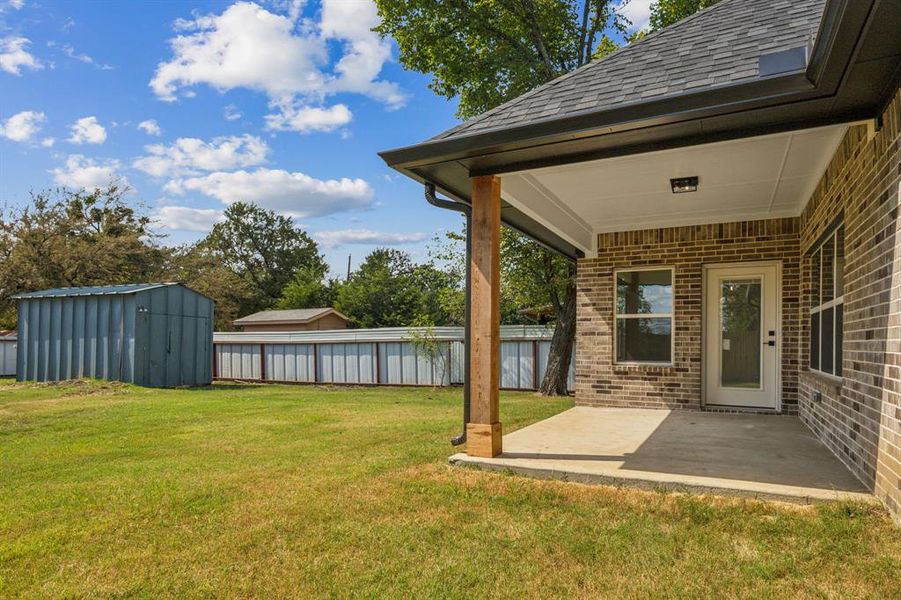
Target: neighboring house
[729,187]
[302,319]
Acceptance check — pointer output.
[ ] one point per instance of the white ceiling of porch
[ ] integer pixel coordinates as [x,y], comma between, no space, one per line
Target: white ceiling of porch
[753,178]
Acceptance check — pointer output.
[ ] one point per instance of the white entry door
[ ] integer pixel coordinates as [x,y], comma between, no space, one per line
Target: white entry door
[742,337]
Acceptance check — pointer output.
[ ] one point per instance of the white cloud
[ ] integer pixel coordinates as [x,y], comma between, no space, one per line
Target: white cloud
[190,156]
[48,142]
[249,47]
[293,194]
[23,126]
[81,172]
[14,56]
[332,239]
[183,218]
[245,46]
[150,127]
[231,113]
[16,4]
[71,53]
[87,131]
[307,119]
[637,11]
[364,51]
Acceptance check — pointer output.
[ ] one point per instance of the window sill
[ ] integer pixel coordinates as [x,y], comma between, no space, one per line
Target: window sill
[823,378]
[644,366]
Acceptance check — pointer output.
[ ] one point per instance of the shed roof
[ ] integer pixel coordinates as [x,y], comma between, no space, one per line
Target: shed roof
[721,45]
[298,315]
[95,290]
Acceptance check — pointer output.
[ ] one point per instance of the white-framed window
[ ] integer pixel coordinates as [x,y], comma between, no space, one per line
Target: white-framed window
[643,316]
[827,264]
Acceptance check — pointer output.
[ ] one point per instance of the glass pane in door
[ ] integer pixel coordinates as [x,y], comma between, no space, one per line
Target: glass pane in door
[740,343]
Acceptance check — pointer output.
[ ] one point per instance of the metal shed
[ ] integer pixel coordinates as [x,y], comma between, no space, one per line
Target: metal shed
[153,334]
[8,345]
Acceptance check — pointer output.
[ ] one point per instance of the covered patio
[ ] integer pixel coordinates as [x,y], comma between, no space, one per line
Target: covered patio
[759,456]
[728,188]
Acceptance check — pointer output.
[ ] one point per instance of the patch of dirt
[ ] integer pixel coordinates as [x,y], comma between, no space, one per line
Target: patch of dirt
[74,387]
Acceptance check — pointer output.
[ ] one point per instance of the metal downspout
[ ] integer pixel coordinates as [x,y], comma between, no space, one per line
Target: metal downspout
[466,210]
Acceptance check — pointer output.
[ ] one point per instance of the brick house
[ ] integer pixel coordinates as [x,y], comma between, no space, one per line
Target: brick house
[729,188]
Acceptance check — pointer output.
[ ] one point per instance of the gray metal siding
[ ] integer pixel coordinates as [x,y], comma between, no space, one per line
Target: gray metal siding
[290,362]
[8,352]
[65,338]
[239,361]
[161,336]
[401,363]
[346,363]
[175,325]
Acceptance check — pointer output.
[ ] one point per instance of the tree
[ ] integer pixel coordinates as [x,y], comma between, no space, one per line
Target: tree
[306,291]
[388,290]
[666,12]
[265,250]
[202,270]
[62,238]
[537,278]
[487,52]
[449,250]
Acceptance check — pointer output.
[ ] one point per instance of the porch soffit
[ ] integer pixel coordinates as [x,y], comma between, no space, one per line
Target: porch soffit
[754,178]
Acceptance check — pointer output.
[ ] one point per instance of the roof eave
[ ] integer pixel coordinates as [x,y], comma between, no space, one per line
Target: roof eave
[635,115]
[799,98]
[839,31]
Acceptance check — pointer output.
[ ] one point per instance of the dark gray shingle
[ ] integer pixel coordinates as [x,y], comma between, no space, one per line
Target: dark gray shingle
[715,47]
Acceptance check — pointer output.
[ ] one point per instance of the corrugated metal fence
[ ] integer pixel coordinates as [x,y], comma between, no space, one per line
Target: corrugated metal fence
[362,356]
[386,356]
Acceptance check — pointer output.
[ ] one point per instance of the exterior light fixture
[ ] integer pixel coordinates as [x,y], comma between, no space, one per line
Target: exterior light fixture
[682,185]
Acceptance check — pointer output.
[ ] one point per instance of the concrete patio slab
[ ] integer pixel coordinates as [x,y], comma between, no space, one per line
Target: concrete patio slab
[761,456]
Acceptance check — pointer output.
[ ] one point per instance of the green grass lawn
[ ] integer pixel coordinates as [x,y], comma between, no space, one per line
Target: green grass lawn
[274,491]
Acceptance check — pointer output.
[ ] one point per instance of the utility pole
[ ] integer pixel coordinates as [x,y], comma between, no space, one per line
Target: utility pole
[348,268]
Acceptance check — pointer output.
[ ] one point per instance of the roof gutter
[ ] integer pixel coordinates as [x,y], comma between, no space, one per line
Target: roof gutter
[466,210]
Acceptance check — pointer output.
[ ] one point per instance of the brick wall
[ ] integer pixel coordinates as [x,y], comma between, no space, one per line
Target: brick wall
[859,419]
[601,382]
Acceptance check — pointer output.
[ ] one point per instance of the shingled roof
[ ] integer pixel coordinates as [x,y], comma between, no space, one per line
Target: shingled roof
[299,315]
[740,69]
[719,46]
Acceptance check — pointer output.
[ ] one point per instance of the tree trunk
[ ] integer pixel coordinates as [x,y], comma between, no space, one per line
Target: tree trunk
[560,355]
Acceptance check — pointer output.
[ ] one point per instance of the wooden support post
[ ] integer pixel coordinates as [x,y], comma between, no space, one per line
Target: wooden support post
[483,432]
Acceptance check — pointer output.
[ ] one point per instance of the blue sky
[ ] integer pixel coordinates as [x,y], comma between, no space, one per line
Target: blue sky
[199,104]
